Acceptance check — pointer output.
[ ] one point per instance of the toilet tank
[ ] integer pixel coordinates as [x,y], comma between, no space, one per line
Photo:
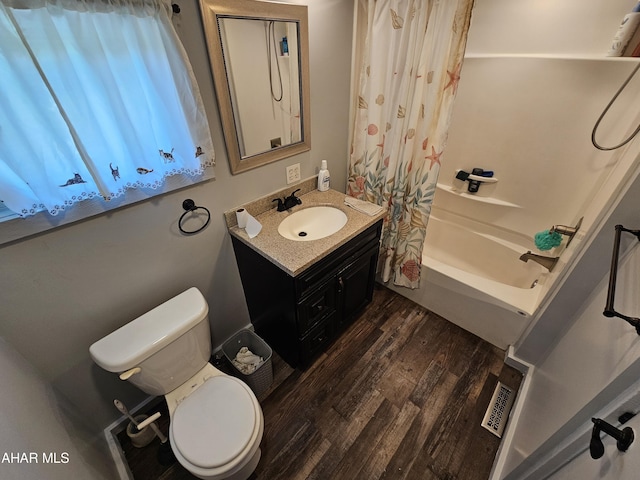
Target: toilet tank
[169,344]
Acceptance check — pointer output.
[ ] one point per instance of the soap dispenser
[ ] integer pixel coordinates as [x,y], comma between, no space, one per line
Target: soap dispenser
[323,177]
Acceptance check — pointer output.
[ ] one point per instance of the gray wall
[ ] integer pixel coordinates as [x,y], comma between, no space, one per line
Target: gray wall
[39,423]
[63,290]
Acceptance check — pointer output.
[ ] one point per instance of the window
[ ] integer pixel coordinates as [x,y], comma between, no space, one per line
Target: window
[98,103]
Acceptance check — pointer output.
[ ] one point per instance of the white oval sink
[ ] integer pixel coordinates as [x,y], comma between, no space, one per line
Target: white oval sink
[312,223]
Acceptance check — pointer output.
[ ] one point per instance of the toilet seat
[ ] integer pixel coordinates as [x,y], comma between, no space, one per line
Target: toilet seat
[215,424]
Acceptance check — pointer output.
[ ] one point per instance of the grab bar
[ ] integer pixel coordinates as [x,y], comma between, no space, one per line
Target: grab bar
[609,311]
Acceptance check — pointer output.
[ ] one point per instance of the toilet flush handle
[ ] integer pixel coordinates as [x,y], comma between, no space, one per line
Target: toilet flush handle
[129,373]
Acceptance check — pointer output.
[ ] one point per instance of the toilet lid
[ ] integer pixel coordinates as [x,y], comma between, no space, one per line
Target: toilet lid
[215,423]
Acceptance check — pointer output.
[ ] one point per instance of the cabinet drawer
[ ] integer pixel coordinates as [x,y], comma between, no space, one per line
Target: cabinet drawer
[317,305]
[316,340]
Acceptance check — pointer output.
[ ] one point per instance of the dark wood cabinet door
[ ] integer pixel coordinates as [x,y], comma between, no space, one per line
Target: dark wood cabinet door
[355,286]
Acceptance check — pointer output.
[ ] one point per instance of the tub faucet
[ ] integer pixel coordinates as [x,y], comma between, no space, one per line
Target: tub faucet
[568,231]
[546,262]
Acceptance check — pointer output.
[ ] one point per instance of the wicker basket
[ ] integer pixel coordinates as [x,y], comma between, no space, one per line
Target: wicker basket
[260,380]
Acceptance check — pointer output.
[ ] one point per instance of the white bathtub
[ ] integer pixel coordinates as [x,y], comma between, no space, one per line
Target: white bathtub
[473,277]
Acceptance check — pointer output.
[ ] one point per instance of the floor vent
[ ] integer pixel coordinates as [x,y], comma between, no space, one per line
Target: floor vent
[497,413]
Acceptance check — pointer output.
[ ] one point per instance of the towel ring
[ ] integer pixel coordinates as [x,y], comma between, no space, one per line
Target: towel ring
[190,206]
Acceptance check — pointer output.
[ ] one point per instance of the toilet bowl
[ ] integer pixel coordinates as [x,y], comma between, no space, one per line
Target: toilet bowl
[224,444]
[216,422]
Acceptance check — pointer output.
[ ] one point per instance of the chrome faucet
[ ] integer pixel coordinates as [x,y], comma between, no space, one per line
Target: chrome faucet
[546,262]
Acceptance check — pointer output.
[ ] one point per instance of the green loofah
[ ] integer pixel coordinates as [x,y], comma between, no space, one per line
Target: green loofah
[547,240]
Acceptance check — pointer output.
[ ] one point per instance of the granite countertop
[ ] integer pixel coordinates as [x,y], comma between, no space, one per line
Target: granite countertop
[291,255]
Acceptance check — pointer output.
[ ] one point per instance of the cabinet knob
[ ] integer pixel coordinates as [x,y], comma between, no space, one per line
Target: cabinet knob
[340,284]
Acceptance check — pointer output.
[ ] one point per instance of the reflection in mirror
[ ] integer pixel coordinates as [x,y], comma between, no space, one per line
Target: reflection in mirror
[259,61]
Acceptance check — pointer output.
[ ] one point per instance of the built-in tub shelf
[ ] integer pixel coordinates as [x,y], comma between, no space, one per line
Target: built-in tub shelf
[549,56]
[476,198]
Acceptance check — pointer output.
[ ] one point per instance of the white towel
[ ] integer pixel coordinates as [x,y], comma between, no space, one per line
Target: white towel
[363,206]
[246,361]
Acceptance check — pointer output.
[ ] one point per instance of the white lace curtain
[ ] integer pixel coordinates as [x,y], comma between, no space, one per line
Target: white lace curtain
[97,97]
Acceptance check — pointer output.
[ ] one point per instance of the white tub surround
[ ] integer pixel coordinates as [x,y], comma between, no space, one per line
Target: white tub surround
[538,147]
[472,275]
[487,266]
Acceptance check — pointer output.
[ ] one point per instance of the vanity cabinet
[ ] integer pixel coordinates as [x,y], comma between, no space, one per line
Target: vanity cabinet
[300,316]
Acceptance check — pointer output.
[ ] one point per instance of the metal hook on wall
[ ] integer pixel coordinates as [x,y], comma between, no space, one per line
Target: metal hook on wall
[189,207]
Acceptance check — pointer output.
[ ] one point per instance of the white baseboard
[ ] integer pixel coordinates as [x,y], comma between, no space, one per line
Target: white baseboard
[118,456]
[497,471]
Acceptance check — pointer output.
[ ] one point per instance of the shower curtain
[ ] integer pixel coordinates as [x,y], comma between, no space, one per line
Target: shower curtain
[408,59]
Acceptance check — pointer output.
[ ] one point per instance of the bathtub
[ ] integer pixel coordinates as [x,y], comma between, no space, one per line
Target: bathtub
[473,277]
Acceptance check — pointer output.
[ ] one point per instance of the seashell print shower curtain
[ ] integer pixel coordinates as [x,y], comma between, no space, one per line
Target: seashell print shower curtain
[408,60]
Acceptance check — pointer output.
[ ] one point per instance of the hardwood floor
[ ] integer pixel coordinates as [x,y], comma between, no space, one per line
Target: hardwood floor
[400,395]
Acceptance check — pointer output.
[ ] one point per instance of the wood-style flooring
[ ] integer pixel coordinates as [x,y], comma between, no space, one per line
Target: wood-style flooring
[400,395]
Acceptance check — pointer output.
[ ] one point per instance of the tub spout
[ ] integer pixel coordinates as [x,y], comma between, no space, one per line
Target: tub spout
[546,262]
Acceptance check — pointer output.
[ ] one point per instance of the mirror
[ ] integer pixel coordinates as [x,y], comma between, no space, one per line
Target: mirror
[259,53]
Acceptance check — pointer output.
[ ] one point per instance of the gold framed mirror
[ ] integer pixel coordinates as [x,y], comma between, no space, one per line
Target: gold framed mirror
[259,54]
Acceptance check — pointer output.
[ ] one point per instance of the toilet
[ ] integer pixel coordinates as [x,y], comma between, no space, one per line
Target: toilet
[216,423]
